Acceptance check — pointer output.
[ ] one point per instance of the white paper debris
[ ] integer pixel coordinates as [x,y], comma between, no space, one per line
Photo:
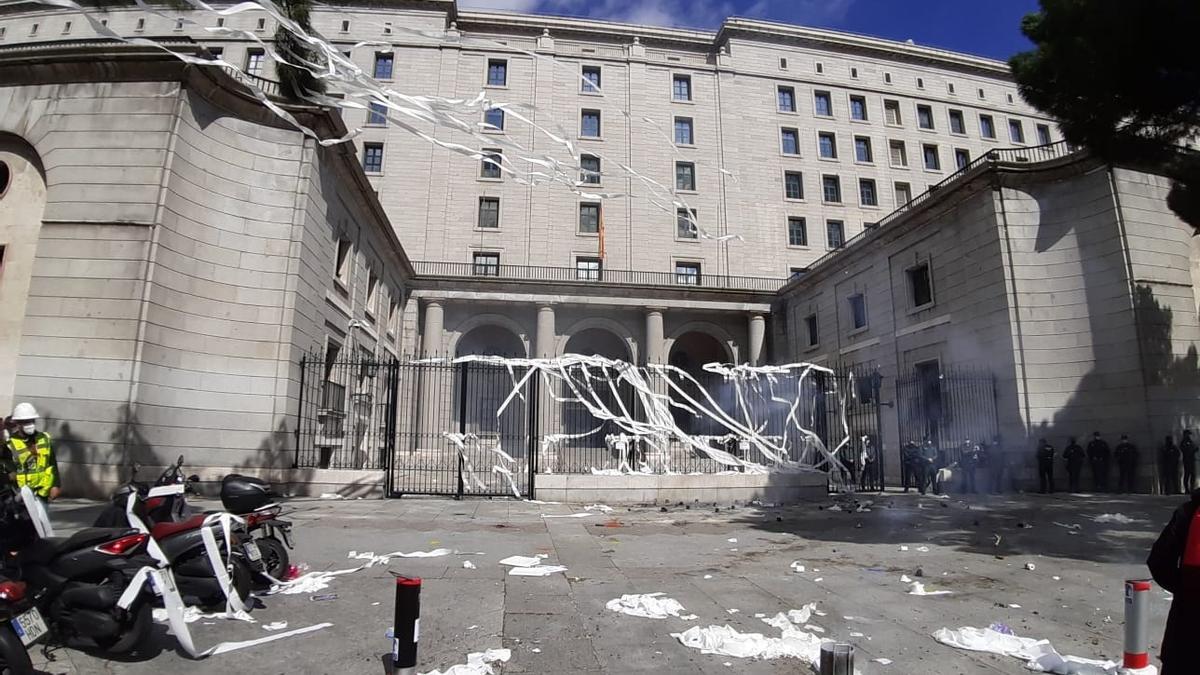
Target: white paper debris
[1039,655]
[923,549]
[1056,578]
[521,561]
[732,540]
[603,508]
[1014,606]
[1030,566]
[903,547]
[689,617]
[726,641]
[194,614]
[478,663]
[1071,526]
[904,579]
[856,635]
[707,576]
[330,495]
[882,661]
[918,588]
[536,571]
[1114,518]
[648,605]
[569,515]
[536,650]
[814,628]
[819,579]
[797,567]
[468,565]
[275,625]
[733,611]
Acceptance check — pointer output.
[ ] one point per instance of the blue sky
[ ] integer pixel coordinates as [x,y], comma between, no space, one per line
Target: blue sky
[989,28]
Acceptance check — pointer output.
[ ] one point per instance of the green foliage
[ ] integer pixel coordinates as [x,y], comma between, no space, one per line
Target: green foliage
[295,82]
[1123,79]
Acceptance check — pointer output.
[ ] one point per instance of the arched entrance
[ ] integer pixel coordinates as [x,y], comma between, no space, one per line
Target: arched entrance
[576,418]
[487,386]
[689,353]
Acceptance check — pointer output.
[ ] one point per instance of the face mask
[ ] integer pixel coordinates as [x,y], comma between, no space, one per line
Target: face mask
[29,429]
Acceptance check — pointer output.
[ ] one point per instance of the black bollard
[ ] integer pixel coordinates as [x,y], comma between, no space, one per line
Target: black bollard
[407,627]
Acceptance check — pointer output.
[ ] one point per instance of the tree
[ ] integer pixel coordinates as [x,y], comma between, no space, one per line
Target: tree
[296,83]
[1123,80]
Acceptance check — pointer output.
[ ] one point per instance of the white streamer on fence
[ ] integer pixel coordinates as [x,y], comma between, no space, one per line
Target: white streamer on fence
[588,381]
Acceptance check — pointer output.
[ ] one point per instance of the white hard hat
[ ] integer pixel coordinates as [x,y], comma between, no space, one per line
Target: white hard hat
[24,411]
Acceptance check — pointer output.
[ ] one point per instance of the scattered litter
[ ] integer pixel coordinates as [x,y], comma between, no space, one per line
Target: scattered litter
[374,604]
[478,663]
[602,508]
[835,507]
[536,571]
[724,640]
[814,628]
[819,612]
[373,559]
[882,661]
[918,588]
[1072,526]
[194,614]
[797,567]
[733,611]
[1039,655]
[1114,518]
[903,548]
[689,617]
[923,549]
[277,625]
[568,515]
[863,508]
[707,576]
[1014,606]
[536,650]
[647,605]
[1030,566]
[904,579]
[323,597]
[728,664]
[1056,578]
[521,561]
[330,495]
[856,635]
[732,540]
[997,542]
[468,565]
[819,579]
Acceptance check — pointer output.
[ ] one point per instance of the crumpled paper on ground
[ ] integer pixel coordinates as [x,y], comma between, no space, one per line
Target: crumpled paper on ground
[792,642]
[192,614]
[1114,518]
[918,588]
[478,663]
[647,605]
[536,571]
[603,508]
[319,581]
[1039,655]
[521,561]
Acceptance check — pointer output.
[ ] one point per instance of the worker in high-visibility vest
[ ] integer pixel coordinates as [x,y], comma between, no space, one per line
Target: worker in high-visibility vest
[33,454]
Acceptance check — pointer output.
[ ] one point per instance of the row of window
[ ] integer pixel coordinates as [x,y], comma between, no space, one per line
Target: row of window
[920,296]
[341,274]
[587,268]
[139,26]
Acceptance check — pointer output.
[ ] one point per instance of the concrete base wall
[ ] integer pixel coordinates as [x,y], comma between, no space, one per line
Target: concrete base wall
[639,489]
[98,481]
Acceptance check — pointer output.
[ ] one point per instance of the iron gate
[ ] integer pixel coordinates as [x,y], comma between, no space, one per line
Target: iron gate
[948,406]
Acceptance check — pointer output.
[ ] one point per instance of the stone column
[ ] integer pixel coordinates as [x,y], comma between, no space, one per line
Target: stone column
[436,384]
[549,417]
[543,347]
[757,329]
[654,336]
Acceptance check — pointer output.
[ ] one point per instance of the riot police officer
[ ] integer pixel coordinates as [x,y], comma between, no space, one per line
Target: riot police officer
[1126,454]
[1187,447]
[1073,454]
[1168,459]
[1098,456]
[1045,464]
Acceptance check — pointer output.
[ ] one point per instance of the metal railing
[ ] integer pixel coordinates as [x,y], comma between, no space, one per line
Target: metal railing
[947,406]
[470,270]
[1030,155]
[268,87]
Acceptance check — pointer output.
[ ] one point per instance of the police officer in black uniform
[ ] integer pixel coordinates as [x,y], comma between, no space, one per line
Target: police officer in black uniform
[1187,447]
[1073,454]
[1045,464]
[1098,455]
[969,462]
[1126,454]
[1168,459]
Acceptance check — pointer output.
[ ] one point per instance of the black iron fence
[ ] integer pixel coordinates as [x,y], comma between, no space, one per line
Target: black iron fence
[596,275]
[948,406]
[484,429]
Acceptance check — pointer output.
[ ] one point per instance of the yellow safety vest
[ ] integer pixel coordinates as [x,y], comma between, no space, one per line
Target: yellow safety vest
[34,466]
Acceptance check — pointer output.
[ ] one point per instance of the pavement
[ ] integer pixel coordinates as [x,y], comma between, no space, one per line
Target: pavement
[977,547]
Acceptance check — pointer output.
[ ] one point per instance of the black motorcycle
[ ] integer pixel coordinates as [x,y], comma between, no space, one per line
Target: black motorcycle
[75,582]
[21,624]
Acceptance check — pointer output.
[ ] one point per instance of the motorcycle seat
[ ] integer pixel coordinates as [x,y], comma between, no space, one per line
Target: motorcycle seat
[162,530]
[43,550]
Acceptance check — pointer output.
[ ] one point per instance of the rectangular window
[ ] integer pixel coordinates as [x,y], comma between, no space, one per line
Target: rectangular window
[903,194]
[141,25]
[254,61]
[495,118]
[835,234]
[793,185]
[831,189]
[383,65]
[1043,133]
[589,124]
[497,73]
[797,232]
[858,311]
[783,64]
[681,87]
[588,269]
[489,213]
[854,73]
[393,318]
[920,83]
[930,154]
[685,224]
[897,153]
[376,114]
[920,285]
[957,124]
[827,145]
[820,67]
[485,264]
[589,218]
[490,166]
[178,26]
[341,270]
[591,79]
[687,273]
[685,176]
[345,26]
[387,27]
[790,139]
[887,77]
[961,158]
[372,296]
[589,169]
[220,22]
[891,112]
[866,192]
[858,108]
[924,117]
[683,131]
[373,157]
[787,99]
[950,87]
[810,325]
[822,103]
[1016,131]
[987,127]
[862,149]
[261,25]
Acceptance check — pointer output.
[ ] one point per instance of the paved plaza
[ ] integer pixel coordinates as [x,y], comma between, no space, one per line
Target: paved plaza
[977,548]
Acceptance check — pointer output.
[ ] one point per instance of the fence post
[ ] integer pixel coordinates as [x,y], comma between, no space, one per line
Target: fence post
[392,412]
[532,397]
[300,410]
[880,474]
[462,423]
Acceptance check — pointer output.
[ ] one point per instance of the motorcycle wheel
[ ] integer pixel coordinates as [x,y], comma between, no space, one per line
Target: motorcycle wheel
[135,631]
[14,658]
[274,556]
[243,579]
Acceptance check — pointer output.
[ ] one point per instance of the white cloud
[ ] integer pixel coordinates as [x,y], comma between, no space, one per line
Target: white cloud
[509,5]
[679,13]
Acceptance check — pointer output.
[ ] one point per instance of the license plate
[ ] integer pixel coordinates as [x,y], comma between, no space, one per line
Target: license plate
[29,626]
[252,552]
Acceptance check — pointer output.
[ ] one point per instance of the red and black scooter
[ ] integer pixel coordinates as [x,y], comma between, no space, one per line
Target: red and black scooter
[21,624]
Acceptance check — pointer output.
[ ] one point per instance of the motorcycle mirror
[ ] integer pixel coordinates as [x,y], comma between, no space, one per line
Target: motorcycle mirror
[193,478]
[179,462]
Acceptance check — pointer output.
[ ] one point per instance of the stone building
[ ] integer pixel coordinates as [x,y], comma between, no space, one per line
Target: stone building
[191,247]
